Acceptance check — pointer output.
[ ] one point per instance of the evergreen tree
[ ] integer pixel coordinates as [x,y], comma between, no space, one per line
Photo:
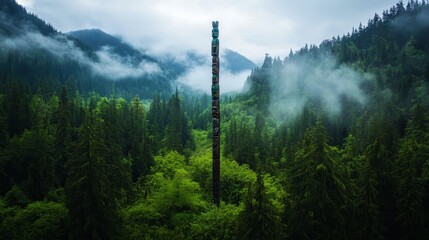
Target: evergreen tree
[409,167]
[18,110]
[62,137]
[37,157]
[410,191]
[380,154]
[259,219]
[112,133]
[91,194]
[178,136]
[370,220]
[174,128]
[138,144]
[4,134]
[157,119]
[317,190]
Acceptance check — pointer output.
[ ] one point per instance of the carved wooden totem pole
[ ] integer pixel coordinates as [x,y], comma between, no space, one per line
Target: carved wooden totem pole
[216,112]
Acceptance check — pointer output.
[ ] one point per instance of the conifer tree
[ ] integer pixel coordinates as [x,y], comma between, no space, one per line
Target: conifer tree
[138,144]
[410,191]
[174,128]
[317,190]
[409,167]
[259,219]
[91,193]
[62,137]
[369,215]
[380,155]
[156,119]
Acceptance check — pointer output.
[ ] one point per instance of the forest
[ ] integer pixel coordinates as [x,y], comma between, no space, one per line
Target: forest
[331,142]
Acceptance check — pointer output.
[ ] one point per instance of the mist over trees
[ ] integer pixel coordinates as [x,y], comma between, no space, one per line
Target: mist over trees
[330,142]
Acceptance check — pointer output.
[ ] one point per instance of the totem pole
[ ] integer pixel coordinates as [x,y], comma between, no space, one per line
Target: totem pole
[216,112]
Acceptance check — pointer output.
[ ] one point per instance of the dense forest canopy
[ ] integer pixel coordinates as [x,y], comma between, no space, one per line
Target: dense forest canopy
[330,142]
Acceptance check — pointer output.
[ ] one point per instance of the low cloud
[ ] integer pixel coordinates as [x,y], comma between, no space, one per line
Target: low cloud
[199,77]
[321,79]
[249,27]
[114,67]
[108,64]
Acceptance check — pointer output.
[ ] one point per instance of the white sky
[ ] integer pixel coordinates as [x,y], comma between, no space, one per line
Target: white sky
[250,27]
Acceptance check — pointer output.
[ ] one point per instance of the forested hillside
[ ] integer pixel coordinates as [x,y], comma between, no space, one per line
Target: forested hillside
[330,142]
[34,55]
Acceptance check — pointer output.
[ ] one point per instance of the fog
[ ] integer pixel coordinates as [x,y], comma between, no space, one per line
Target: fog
[199,77]
[320,79]
[108,64]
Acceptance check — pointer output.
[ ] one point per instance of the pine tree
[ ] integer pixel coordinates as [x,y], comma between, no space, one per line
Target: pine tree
[4,134]
[317,190]
[178,136]
[156,119]
[173,130]
[90,191]
[62,137]
[259,219]
[410,191]
[112,136]
[37,157]
[409,167]
[138,144]
[380,154]
[369,215]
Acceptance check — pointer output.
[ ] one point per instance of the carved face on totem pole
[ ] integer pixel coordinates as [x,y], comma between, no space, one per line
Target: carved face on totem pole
[215,47]
[215,70]
[215,112]
[216,126]
[215,92]
[215,79]
[216,146]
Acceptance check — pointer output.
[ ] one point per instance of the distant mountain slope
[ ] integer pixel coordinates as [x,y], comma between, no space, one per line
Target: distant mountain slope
[235,62]
[14,19]
[36,56]
[97,40]
[91,60]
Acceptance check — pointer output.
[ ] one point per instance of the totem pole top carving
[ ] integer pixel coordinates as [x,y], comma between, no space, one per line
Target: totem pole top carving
[215,30]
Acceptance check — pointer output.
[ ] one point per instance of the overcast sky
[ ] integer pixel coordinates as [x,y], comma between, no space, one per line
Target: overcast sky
[251,27]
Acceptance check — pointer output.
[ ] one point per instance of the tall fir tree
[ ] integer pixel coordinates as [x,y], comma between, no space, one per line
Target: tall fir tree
[91,196]
[62,137]
[317,188]
[259,219]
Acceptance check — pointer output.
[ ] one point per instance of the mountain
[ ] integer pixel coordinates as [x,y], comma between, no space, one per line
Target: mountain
[36,56]
[235,62]
[98,40]
[14,19]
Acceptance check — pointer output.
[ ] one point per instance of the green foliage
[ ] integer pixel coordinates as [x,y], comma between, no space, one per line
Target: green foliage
[16,197]
[410,191]
[216,223]
[169,208]
[91,193]
[234,178]
[369,215]
[259,219]
[168,164]
[39,220]
[177,132]
[317,190]
[29,158]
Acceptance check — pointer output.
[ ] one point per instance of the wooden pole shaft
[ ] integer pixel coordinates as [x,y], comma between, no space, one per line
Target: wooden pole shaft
[216,112]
